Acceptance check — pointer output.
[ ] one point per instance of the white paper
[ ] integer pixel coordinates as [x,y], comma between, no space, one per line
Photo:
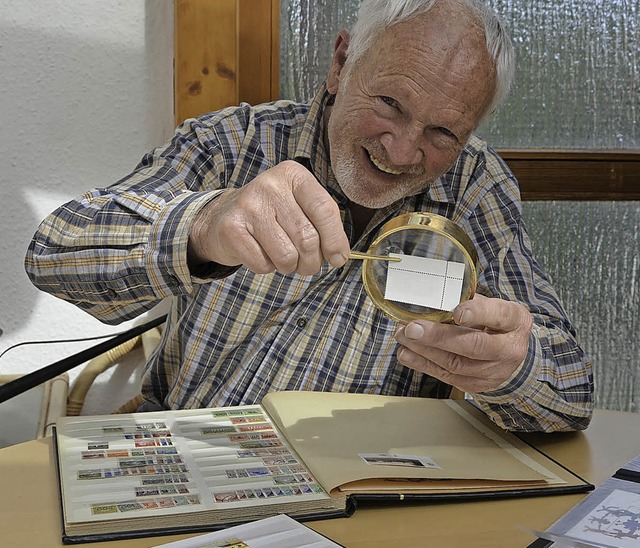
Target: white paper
[432,283]
[615,522]
[275,532]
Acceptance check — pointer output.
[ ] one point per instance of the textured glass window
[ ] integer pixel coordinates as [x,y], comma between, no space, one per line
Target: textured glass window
[577,86]
[308,30]
[578,78]
[591,251]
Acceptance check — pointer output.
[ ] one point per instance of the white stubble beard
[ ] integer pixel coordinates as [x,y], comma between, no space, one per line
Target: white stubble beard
[346,174]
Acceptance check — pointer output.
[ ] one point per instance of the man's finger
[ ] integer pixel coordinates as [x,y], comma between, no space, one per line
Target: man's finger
[493,314]
[455,339]
[277,247]
[466,381]
[324,214]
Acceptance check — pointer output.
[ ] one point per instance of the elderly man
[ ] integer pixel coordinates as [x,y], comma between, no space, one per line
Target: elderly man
[245,220]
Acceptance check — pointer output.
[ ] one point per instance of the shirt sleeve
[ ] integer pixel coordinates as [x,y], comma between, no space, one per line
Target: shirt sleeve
[118,251]
[552,390]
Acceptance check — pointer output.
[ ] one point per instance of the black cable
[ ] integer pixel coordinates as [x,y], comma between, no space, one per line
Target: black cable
[59,341]
[31,380]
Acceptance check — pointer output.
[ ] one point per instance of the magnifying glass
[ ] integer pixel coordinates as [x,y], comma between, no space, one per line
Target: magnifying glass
[436,270]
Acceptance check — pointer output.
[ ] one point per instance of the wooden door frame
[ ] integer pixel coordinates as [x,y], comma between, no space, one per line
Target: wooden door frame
[225,52]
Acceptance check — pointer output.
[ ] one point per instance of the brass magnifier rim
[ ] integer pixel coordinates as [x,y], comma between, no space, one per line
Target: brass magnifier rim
[429,222]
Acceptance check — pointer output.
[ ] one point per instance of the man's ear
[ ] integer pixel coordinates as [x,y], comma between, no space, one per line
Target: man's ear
[339,58]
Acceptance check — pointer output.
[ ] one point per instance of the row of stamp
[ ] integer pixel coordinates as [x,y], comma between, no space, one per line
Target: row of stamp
[241,495]
[146,438]
[127,453]
[148,504]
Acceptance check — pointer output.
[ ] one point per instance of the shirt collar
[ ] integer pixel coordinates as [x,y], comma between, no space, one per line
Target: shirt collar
[311,149]
[440,190]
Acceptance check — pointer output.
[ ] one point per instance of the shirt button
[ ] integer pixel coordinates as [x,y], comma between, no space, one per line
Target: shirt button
[301,322]
[112,293]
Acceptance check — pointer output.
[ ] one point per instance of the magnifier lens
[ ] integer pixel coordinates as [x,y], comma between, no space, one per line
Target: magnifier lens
[429,236]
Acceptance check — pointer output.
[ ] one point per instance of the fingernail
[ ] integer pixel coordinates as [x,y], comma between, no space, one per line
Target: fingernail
[414,331]
[466,316]
[336,261]
[403,355]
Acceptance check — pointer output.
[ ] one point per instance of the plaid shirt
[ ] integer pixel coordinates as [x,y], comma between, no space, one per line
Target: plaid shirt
[118,251]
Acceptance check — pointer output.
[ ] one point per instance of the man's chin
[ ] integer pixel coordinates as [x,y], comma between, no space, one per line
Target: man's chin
[375,195]
[367,198]
[369,203]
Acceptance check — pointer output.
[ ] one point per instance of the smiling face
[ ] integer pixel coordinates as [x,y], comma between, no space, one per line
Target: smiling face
[408,106]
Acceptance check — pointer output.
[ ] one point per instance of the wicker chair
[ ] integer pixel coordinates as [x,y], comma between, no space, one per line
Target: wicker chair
[77,394]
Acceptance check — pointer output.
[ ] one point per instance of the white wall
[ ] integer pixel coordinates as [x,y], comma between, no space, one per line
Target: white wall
[85,91]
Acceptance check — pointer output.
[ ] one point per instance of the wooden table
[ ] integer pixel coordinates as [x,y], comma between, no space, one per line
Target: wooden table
[30,514]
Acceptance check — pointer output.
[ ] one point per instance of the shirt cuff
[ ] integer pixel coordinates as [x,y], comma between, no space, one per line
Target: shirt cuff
[523,380]
[166,258]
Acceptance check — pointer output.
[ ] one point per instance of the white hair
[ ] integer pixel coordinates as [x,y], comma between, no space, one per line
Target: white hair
[374,16]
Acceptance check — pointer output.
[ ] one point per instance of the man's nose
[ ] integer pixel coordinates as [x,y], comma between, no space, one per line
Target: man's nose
[404,147]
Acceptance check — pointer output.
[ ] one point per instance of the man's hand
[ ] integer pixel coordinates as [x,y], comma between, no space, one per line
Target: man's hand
[283,220]
[487,343]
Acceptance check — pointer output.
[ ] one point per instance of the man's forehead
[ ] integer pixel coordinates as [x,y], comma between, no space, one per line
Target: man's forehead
[431,42]
[437,30]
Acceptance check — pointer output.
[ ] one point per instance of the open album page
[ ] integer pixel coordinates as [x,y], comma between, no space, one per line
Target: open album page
[350,440]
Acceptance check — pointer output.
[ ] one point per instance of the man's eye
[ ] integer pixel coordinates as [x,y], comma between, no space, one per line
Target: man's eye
[446,132]
[389,101]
